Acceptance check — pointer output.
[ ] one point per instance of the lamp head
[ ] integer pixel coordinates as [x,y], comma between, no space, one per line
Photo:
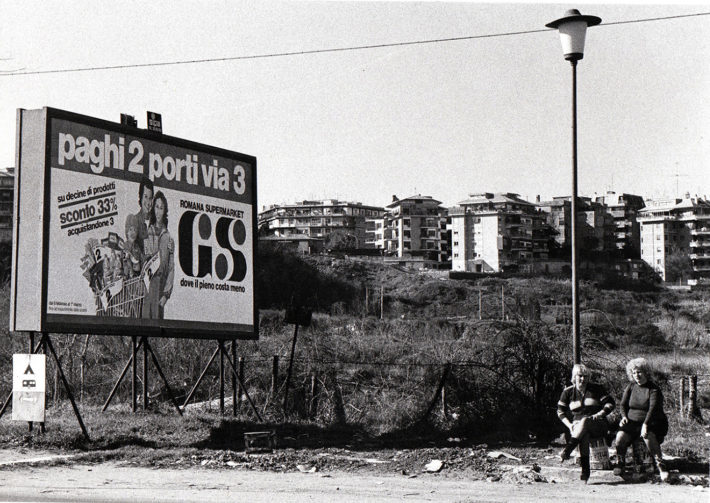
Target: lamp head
[573,29]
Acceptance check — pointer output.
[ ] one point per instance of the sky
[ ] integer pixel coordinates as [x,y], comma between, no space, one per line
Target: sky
[444,119]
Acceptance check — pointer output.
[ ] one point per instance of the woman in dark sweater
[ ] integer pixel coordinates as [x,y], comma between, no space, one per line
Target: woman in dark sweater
[641,416]
[583,408]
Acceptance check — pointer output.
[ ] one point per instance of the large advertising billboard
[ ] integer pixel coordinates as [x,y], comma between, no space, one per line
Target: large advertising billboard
[133,230]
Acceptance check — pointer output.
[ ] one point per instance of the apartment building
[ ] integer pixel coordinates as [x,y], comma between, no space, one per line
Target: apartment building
[672,230]
[414,232]
[7,187]
[595,224]
[494,232]
[336,223]
[624,209]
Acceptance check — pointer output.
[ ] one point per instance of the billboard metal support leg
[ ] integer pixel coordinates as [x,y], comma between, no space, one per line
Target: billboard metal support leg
[234,380]
[43,345]
[244,388]
[145,372]
[131,360]
[48,342]
[199,379]
[220,343]
[162,376]
[134,369]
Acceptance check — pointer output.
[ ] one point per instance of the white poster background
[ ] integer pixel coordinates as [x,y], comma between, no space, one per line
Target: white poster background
[206,299]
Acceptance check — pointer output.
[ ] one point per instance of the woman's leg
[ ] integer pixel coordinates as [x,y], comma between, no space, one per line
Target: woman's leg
[653,446]
[655,449]
[584,445]
[623,440]
[584,456]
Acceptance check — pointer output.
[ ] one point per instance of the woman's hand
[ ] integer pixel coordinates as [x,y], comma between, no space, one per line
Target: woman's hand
[623,421]
[644,431]
[163,300]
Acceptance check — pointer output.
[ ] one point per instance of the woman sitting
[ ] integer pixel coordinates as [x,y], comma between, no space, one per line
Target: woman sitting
[583,408]
[641,416]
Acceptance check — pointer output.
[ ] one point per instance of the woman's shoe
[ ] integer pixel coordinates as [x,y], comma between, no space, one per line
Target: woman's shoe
[586,472]
[619,468]
[567,451]
[662,469]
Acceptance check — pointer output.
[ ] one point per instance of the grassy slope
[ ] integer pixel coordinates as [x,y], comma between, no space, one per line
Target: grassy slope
[379,376]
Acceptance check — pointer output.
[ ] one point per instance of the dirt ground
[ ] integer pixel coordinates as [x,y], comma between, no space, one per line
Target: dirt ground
[326,476]
[110,482]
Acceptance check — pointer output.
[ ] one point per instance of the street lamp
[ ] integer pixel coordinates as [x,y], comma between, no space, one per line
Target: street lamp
[573,28]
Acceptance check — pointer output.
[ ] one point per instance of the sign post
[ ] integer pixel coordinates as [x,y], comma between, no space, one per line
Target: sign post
[28,387]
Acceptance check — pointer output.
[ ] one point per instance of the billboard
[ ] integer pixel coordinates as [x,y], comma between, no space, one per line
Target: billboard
[121,229]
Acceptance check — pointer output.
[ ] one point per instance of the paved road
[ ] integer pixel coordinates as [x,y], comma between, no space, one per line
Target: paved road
[110,482]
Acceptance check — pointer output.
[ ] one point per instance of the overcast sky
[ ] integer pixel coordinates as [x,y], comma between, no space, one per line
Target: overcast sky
[444,119]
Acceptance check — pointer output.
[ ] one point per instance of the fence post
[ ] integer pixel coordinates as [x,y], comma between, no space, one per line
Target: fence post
[313,405]
[274,375]
[681,397]
[241,380]
[693,409]
[502,303]
[480,304]
[444,411]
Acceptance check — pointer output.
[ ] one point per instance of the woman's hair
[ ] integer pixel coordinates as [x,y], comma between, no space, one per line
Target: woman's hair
[161,196]
[636,364]
[581,369]
[146,183]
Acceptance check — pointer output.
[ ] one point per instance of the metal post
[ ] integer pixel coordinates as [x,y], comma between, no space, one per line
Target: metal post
[43,345]
[220,342]
[145,373]
[234,380]
[66,386]
[134,369]
[240,378]
[132,360]
[576,349]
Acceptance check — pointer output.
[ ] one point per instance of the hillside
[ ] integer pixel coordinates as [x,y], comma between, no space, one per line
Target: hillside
[616,314]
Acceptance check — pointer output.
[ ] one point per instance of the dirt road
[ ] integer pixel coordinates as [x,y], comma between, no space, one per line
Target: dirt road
[110,482]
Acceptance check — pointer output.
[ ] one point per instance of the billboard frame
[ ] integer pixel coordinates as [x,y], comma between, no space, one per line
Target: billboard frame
[113,325]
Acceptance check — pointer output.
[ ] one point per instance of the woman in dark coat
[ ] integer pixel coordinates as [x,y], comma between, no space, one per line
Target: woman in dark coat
[641,416]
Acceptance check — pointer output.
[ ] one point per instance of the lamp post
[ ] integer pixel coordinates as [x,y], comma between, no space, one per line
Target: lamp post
[572,28]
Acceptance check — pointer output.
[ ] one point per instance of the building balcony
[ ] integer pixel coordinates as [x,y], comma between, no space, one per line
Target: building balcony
[700,232]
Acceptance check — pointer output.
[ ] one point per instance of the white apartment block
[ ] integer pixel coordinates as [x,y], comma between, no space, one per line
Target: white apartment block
[414,231]
[320,219]
[492,232]
[680,226]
